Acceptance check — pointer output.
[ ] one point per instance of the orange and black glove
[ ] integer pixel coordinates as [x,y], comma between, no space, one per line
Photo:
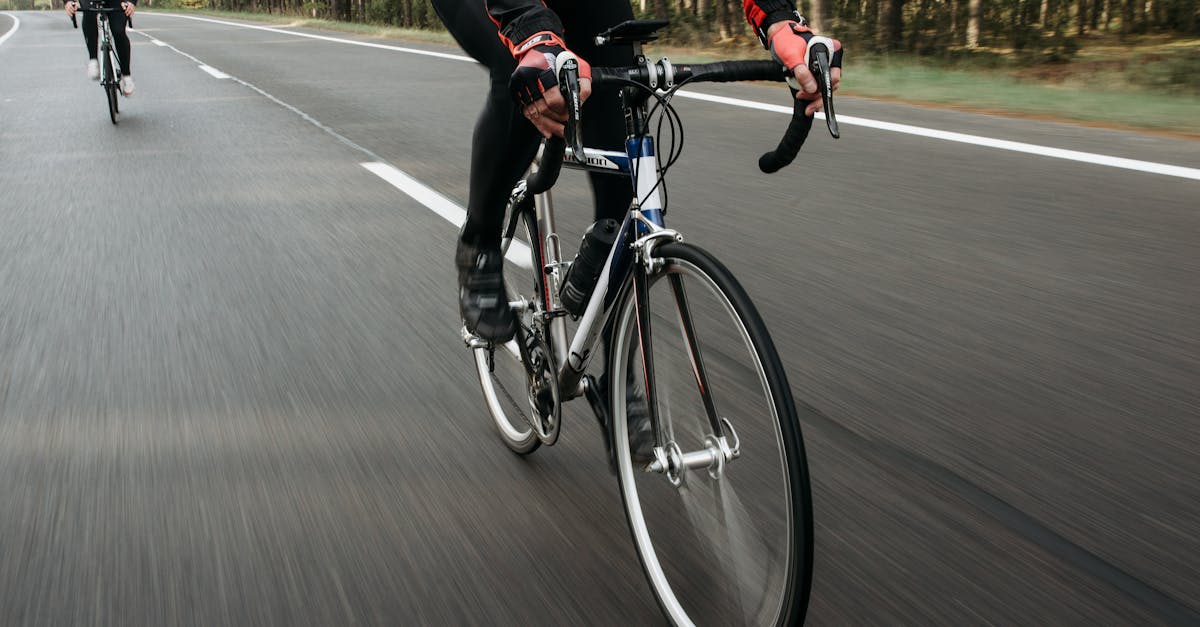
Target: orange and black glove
[535,67]
[789,45]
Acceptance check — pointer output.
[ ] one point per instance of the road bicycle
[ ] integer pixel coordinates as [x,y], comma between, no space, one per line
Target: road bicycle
[110,64]
[713,476]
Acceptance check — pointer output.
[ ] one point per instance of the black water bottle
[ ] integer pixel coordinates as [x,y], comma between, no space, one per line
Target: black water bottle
[585,270]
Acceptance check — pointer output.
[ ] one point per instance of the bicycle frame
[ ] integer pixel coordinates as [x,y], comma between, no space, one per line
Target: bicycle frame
[641,228]
[106,46]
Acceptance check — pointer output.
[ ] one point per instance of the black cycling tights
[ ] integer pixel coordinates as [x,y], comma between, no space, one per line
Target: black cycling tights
[505,142]
[116,23]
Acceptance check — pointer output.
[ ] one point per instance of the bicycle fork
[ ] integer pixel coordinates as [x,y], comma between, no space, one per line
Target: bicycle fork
[669,458]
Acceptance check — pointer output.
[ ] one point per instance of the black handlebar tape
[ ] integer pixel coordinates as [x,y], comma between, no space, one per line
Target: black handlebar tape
[792,140]
[548,169]
[604,75]
[724,71]
[730,71]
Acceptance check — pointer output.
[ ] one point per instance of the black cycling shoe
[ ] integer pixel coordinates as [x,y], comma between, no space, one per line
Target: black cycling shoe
[482,299]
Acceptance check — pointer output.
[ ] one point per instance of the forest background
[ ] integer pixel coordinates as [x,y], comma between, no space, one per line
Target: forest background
[1119,62]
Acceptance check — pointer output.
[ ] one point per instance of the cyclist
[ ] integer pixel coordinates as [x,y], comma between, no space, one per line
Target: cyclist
[91,36]
[517,41]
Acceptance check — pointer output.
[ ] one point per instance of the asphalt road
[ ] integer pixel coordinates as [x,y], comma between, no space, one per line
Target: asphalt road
[232,389]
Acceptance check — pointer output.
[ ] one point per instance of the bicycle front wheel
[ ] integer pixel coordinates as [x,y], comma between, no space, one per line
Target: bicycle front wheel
[722,515]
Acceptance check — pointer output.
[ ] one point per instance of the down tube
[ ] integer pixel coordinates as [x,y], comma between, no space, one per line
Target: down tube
[616,274]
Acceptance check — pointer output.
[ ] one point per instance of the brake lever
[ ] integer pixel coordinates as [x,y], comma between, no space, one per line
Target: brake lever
[818,64]
[566,67]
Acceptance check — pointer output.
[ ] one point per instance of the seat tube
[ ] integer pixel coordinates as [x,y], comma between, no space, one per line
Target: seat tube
[543,206]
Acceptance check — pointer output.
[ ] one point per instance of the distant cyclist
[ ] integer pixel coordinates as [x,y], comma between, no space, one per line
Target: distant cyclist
[517,41]
[91,35]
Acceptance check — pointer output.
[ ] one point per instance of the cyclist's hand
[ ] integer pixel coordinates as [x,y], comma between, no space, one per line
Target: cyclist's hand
[789,43]
[129,8]
[534,81]
[71,8]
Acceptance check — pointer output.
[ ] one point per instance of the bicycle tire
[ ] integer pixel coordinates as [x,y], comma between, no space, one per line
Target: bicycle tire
[110,87]
[681,586]
[512,405]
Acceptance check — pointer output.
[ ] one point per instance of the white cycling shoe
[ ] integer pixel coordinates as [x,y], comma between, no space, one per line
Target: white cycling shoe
[94,69]
[127,85]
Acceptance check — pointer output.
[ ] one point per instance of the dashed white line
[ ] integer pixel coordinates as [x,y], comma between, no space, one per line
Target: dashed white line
[518,252]
[976,140]
[15,26]
[214,72]
[420,192]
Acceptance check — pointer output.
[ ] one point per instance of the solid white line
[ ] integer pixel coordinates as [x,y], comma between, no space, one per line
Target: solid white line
[158,42]
[367,44]
[15,26]
[518,252]
[976,140]
[214,72]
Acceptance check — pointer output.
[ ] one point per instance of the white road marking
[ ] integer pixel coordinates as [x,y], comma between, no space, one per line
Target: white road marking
[367,44]
[214,72]
[518,252]
[976,140]
[15,26]
[1000,144]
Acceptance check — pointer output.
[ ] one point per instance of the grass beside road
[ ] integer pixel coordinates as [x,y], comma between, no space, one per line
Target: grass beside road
[1121,106]
[1149,84]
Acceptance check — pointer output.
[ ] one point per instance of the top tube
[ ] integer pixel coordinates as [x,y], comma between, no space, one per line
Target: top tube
[596,160]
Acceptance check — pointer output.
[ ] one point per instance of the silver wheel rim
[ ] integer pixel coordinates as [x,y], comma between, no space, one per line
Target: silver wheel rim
[515,430]
[496,404]
[626,470]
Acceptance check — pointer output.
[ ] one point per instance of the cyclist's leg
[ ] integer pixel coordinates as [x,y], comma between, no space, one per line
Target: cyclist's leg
[503,145]
[116,23]
[91,33]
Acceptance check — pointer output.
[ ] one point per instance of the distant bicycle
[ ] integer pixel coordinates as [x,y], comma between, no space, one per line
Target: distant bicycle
[110,65]
[715,486]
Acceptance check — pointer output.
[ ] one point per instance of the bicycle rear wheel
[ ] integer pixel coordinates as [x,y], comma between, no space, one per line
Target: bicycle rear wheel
[517,378]
[724,542]
[110,87]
